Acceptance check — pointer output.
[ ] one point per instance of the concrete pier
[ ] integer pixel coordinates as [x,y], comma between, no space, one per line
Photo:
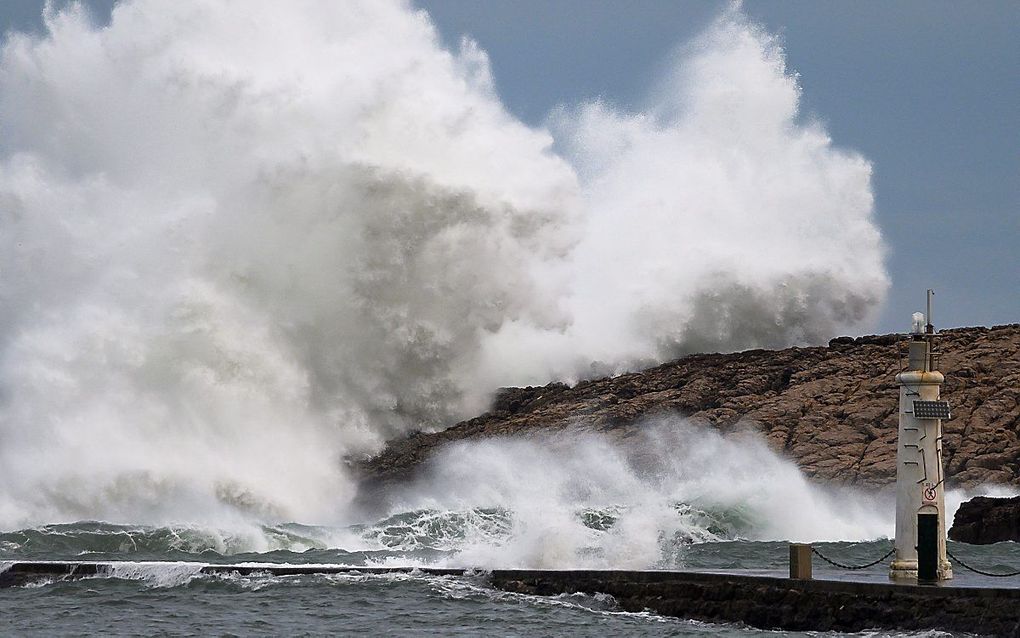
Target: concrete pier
[762,601]
[782,603]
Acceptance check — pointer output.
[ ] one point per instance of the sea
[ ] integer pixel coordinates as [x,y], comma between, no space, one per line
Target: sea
[155,588]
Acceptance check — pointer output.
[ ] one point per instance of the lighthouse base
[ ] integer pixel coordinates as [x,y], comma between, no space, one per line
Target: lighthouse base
[906,569]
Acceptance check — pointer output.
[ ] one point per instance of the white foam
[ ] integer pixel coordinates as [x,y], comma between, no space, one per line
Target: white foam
[155,574]
[671,485]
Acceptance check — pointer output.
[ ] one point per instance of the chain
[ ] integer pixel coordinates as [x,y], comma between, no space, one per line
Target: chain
[978,571]
[842,566]
[890,553]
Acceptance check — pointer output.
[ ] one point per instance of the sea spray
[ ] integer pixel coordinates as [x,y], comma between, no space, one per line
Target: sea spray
[243,241]
[586,499]
[251,253]
[716,218]
[643,500]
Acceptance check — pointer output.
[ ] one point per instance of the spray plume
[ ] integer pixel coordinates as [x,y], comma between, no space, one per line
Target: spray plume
[244,240]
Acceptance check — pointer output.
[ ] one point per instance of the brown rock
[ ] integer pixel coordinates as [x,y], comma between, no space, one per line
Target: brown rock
[830,409]
[983,520]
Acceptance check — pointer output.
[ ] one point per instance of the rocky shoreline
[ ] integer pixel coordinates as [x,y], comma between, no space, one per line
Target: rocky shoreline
[831,409]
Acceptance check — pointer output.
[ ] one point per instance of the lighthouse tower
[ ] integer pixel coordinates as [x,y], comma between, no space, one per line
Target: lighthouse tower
[920,485]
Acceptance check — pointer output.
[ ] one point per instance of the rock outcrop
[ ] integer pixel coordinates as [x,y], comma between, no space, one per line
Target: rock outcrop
[833,410]
[984,520]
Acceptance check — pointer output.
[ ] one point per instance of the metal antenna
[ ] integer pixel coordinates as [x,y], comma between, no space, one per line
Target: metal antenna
[930,328]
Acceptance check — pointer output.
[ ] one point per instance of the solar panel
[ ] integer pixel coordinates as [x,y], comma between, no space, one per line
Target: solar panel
[932,410]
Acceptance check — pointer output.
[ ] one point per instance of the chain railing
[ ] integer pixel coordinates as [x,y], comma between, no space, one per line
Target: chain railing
[843,566]
[980,571]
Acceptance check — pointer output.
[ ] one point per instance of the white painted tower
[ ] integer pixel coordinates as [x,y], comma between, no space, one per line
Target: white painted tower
[920,486]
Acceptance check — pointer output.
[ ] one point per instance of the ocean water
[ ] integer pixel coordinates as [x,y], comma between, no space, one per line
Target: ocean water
[157,589]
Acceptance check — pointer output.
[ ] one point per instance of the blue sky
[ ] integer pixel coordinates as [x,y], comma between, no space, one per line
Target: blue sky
[928,90]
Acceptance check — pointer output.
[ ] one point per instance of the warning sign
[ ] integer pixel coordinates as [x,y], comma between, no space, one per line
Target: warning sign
[929,494]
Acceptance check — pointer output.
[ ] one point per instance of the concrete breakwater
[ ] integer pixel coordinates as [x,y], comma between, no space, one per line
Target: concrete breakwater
[781,603]
[765,602]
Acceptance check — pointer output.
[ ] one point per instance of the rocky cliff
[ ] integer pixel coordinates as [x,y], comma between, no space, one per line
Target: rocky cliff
[830,409]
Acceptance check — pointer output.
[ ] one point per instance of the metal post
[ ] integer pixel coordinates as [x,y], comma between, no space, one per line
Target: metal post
[930,328]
